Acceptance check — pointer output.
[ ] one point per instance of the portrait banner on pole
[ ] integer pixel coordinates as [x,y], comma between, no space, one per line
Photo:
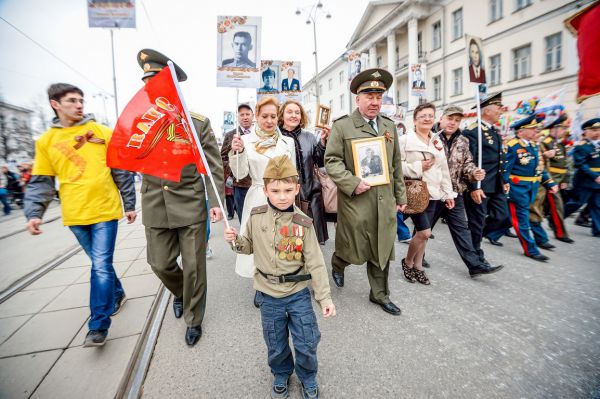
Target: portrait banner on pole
[418,76]
[280,79]
[111,14]
[238,51]
[357,62]
[475,59]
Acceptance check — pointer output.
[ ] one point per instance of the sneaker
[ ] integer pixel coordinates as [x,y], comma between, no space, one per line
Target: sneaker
[209,253]
[280,390]
[310,392]
[95,338]
[119,304]
[406,240]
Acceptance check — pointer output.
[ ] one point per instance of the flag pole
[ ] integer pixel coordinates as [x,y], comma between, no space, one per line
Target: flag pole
[479,154]
[197,141]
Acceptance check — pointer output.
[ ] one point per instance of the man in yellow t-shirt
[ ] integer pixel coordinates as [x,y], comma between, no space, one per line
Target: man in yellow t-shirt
[73,150]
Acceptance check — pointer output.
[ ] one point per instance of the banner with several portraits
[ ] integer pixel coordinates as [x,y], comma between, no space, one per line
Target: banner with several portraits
[417,78]
[238,51]
[280,79]
[111,13]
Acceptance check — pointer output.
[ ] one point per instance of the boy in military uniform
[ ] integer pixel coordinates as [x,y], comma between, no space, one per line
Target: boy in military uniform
[525,171]
[287,255]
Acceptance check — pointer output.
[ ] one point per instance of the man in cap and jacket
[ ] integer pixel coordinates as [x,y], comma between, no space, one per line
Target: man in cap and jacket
[175,215]
[366,214]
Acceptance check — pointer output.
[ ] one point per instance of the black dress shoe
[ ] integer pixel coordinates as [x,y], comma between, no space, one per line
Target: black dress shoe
[431,236]
[583,223]
[494,242]
[546,245]
[510,234]
[256,304]
[178,307]
[388,307]
[426,264]
[338,278]
[539,257]
[484,269]
[192,335]
[566,239]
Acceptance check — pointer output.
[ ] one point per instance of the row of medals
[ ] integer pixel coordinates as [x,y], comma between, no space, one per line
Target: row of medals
[290,246]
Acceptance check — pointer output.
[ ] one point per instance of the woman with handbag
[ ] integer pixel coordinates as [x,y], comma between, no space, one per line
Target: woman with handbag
[309,153]
[424,164]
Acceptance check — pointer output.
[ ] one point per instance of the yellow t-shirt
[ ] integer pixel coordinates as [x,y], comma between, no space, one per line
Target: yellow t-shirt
[88,193]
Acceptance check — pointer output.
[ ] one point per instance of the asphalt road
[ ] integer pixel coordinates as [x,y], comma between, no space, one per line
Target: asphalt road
[529,331]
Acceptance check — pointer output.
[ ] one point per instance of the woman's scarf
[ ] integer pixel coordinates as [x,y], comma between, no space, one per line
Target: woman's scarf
[299,157]
[266,140]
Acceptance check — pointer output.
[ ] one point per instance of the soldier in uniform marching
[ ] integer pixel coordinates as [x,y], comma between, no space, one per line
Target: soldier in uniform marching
[359,204]
[554,148]
[525,171]
[175,216]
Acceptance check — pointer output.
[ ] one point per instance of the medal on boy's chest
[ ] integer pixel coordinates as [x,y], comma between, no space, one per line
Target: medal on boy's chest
[291,242]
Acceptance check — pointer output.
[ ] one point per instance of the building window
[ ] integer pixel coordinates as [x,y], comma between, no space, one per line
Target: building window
[553,51]
[379,61]
[457,85]
[342,101]
[437,35]
[521,4]
[522,62]
[342,78]
[437,89]
[420,43]
[330,84]
[457,24]
[495,10]
[495,70]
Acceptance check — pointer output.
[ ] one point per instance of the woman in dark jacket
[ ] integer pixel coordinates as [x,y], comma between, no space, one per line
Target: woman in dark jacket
[309,152]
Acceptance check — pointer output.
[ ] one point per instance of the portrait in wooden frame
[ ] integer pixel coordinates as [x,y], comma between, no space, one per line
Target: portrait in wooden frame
[323,116]
[370,160]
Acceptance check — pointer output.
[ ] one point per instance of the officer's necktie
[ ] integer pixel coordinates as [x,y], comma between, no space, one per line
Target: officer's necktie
[372,124]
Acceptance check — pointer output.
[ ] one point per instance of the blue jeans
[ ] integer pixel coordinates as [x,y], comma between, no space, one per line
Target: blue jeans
[280,317]
[98,242]
[5,201]
[239,196]
[402,229]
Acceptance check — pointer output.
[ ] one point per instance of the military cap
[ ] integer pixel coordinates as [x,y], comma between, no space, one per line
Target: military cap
[280,167]
[492,99]
[593,123]
[152,62]
[559,122]
[374,80]
[528,122]
[453,110]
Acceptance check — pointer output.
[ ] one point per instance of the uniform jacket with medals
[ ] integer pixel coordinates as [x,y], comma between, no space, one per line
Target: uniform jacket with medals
[170,204]
[284,243]
[586,159]
[557,165]
[492,158]
[366,228]
[525,171]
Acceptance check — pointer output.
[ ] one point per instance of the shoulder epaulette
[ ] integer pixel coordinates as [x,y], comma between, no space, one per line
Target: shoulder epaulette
[341,117]
[473,125]
[259,209]
[512,142]
[548,140]
[581,142]
[302,220]
[201,118]
[386,117]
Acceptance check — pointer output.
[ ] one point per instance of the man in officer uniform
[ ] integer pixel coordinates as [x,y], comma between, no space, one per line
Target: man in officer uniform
[586,159]
[525,171]
[486,206]
[554,149]
[175,216]
[366,219]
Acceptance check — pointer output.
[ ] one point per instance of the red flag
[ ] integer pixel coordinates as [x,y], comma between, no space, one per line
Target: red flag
[153,134]
[584,24]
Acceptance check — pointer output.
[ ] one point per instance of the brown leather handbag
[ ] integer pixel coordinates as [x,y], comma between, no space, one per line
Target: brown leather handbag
[328,189]
[417,194]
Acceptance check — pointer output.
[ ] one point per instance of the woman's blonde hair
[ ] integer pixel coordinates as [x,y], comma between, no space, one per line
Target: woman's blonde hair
[303,116]
[265,100]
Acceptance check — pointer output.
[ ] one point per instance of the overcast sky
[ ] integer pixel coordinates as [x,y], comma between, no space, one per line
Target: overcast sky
[182,29]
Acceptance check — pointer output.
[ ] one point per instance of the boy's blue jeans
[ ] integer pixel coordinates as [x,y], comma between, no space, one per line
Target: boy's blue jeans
[280,317]
[98,242]
[402,230]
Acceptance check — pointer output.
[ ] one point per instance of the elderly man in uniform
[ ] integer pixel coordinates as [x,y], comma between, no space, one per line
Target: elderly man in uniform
[175,216]
[486,206]
[366,214]
[525,171]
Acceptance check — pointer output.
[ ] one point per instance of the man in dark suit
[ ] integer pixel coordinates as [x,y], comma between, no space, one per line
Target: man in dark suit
[476,71]
[418,83]
[486,206]
[290,84]
[242,44]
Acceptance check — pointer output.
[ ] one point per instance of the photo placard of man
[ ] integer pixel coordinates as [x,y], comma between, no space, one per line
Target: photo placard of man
[241,45]
[372,208]
[371,164]
[291,83]
[269,78]
[475,54]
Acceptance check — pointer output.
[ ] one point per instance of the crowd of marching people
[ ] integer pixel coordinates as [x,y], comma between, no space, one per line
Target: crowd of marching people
[272,169]
[13,181]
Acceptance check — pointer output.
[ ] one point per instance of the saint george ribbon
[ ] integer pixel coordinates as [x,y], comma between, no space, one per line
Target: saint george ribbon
[88,137]
[154,134]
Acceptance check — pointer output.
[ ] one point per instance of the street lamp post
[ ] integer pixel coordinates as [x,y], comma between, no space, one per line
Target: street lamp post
[313,13]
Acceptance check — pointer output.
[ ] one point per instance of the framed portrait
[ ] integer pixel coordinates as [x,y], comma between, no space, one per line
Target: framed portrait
[323,116]
[370,160]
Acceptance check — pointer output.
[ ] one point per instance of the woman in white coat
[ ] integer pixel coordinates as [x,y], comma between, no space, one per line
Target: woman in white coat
[423,157]
[249,155]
